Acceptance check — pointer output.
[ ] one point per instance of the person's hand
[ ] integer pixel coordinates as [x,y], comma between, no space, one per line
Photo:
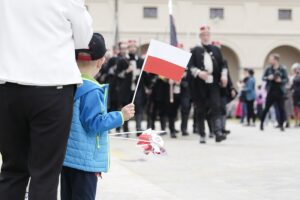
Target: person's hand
[128,111]
[271,77]
[203,75]
[278,80]
[129,69]
[171,82]
[195,71]
[224,81]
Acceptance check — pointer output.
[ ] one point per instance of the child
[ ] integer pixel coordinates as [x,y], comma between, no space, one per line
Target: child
[87,153]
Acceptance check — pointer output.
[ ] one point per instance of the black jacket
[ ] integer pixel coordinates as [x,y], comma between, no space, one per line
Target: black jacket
[197,85]
[124,81]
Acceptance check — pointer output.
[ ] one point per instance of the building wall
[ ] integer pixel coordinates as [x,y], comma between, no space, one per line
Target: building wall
[249,31]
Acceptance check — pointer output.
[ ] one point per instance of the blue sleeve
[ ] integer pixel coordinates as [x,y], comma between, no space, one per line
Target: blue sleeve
[93,114]
[247,86]
[250,85]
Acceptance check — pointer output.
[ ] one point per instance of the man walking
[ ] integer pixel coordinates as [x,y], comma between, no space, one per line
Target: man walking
[208,74]
[38,76]
[276,78]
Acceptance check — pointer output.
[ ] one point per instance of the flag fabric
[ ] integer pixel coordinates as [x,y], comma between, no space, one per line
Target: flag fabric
[165,60]
[151,143]
[173,32]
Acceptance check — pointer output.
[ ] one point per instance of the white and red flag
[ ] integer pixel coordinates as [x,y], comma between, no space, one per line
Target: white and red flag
[166,60]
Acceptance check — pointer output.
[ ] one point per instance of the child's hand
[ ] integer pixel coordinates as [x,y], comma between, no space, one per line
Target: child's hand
[128,111]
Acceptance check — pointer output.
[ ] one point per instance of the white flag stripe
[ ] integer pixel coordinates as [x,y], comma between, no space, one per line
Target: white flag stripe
[169,53]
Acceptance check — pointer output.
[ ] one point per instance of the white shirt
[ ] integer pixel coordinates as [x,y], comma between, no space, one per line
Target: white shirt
[38,39]
[208,63]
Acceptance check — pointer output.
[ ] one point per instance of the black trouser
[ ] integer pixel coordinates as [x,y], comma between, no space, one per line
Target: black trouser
[185,105]
[224,101]
[250,111]
[160,107]
[172,112]
[210,105]
[139,108]
[278,99]
[259,110]
[78,185]
[149,111]
[195,120]
[34,129]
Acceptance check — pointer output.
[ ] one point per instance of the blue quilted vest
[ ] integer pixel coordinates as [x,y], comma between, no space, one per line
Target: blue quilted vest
[88,151]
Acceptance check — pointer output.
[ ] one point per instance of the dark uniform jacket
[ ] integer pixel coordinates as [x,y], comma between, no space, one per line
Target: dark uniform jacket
[197,85]
[281,72]
[124,81]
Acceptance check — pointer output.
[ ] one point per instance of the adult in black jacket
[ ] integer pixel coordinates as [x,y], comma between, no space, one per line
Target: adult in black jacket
[276,77]
[124,74]
[208,74]
[136,63]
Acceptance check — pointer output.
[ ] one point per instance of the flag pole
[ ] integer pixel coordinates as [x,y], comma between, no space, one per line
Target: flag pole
[139,80]
[133,132]
[136,140]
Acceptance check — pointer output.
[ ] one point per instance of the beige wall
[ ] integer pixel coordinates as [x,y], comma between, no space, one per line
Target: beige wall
[250,29]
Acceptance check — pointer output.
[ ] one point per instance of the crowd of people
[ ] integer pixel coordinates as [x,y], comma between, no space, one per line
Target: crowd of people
[204,92]
[276,99]
[206,88]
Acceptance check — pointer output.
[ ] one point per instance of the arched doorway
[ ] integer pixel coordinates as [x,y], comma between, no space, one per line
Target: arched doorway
[233,63]
[288,55]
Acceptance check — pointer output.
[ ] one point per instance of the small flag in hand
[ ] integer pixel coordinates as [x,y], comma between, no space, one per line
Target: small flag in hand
[166,60]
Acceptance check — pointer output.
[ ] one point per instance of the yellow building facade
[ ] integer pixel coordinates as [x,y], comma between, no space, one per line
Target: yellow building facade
[249,30]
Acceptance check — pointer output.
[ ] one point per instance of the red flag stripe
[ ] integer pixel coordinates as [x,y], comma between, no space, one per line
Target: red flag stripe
[164,68]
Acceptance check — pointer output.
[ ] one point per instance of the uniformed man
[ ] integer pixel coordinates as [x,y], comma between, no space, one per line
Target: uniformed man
[208,74]
[136,64]
[124,77]
[160,100]
[109,76]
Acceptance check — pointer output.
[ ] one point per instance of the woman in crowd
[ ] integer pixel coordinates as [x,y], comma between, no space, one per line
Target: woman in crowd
[250,94]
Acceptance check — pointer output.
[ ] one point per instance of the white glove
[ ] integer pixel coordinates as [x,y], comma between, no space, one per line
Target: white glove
[195,72]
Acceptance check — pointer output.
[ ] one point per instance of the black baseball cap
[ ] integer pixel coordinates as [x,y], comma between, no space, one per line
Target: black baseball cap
[97,49]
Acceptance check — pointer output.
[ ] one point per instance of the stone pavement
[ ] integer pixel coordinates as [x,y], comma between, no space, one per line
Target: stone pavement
[250,165]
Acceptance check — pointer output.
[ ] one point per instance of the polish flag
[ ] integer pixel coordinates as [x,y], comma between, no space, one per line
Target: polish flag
[165,60]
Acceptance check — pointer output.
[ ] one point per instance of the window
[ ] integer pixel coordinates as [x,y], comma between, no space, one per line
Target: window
[285,14]
[217,13]
[150,12]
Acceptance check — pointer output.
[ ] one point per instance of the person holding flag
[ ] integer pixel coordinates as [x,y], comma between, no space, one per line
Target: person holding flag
[124,77]
[208,74]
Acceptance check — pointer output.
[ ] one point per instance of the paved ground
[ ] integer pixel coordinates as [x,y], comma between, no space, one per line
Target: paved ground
[249,166]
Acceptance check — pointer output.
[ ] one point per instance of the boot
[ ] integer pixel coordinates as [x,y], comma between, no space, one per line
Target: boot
[173,135]
[202,140]
[262,126]
[220,137]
